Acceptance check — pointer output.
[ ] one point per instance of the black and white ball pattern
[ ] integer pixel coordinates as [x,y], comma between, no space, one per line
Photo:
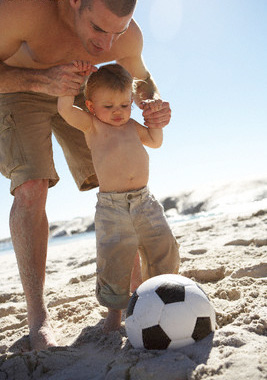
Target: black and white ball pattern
[168,311]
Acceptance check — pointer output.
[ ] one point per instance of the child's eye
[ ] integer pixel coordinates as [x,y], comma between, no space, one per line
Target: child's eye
[108,106]
[125,105]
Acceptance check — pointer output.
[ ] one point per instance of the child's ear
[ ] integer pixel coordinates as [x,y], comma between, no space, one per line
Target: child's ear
[89,105]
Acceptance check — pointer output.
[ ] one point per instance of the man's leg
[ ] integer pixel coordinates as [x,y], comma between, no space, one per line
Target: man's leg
[29,232]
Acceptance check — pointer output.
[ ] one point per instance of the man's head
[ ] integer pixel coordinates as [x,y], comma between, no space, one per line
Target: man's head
[108,94]
[99,23]
[120,8]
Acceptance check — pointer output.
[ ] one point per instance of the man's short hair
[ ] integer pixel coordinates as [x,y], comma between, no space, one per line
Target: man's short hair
[111,76]
[120,8]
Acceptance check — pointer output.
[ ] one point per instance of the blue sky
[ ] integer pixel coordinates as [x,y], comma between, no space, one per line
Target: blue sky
[209,60]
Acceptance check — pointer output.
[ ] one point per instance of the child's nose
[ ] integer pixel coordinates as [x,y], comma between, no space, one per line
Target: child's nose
[117,110]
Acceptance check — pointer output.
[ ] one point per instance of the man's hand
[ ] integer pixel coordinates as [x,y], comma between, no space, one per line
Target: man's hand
[65,79]
[157,113]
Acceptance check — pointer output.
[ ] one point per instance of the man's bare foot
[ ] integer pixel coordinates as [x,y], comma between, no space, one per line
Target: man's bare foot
[42,337]
[113,321]
[21,345]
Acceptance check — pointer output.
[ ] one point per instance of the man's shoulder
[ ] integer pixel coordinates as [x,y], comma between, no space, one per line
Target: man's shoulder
[27,6]
[134,29]
[24,21]
[130,43]
[26,13]
[134,36]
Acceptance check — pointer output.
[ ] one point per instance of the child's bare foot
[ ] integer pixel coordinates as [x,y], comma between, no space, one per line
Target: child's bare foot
[113,321]
[42,336]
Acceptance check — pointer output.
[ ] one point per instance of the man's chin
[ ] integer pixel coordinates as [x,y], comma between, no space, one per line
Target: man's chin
[92,49]
[95,50]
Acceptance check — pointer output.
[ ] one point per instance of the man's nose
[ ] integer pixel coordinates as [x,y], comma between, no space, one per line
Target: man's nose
[107,41]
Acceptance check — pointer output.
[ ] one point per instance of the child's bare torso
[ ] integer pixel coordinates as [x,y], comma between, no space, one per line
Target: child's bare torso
[120,159]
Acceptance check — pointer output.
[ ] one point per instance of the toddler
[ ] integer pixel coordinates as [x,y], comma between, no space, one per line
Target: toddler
[127,214]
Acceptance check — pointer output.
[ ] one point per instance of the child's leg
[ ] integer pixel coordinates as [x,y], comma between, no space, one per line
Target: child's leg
[159,249]
[117,245]
[136,276]
[113,321]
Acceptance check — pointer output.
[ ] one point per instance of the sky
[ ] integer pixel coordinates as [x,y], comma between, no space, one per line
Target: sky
[209,60]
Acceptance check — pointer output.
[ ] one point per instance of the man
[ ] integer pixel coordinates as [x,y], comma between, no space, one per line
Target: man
[38,41]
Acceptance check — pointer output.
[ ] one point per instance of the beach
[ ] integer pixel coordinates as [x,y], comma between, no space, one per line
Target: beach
[226,253]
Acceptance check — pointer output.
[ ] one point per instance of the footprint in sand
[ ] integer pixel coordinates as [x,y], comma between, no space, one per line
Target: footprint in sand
[206,275]
[203,229]
[198,251]
[255,271]
[246,243]
[228,294]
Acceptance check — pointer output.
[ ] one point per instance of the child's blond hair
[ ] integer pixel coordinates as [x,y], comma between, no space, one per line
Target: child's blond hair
[111,76]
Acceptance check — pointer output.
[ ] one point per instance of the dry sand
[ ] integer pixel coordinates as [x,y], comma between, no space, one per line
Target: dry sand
[225,254]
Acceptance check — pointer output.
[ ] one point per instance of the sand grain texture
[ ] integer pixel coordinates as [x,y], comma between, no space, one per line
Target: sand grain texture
[227,255]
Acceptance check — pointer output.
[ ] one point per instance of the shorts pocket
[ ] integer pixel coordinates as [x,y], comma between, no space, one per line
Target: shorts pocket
[154,213]
[107,225]
[11,152]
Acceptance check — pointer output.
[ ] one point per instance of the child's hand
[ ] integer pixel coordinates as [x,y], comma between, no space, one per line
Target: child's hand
[84,67]
[152,104]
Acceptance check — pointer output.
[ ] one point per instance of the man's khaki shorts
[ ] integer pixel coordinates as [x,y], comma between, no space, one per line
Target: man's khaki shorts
[124,223]
[27,121]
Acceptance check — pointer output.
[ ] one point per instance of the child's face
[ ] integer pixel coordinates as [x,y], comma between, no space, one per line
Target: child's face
[111,107]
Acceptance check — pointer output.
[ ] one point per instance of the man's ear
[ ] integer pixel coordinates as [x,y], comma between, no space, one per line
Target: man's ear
[89,105]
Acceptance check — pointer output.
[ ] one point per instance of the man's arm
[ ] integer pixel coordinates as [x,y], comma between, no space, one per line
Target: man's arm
[56,81]
[12,35]
[133,62]
[146,88]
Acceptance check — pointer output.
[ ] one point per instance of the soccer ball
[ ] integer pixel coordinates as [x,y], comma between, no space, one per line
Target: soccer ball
[168,311]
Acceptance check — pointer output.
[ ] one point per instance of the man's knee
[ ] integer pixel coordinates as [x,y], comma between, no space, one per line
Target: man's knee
[32,192]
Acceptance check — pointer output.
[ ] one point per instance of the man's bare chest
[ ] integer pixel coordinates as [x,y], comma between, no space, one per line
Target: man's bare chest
[52,49]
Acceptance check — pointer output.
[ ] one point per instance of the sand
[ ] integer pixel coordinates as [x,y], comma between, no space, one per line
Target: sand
[227,255]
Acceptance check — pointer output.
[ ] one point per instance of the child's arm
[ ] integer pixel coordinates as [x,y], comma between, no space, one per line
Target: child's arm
[151,137]
[74,115]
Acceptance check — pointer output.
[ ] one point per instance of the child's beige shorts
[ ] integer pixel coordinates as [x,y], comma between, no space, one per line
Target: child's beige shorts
[27,121]
[124,223]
